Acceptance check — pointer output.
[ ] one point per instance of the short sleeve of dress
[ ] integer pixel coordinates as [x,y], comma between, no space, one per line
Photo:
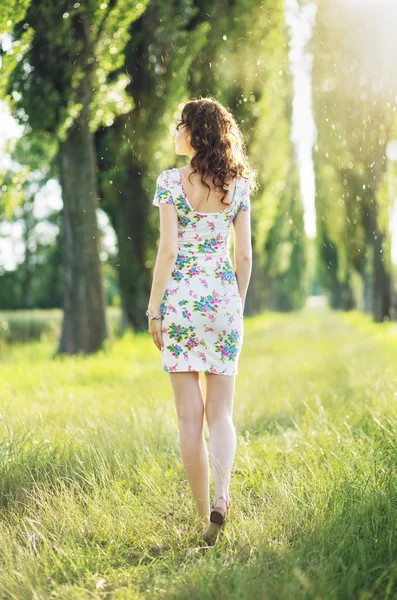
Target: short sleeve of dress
[163,193]
[245,203]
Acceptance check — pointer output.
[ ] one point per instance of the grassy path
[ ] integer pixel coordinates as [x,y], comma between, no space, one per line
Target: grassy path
[94,502]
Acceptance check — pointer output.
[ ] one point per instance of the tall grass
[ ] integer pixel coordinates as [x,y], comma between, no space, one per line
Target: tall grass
[94,501]
[21,326]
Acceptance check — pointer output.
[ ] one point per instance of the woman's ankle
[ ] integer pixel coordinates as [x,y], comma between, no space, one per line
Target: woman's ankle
[222,501]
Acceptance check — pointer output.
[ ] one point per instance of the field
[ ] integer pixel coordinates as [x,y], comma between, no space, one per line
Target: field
[94,502]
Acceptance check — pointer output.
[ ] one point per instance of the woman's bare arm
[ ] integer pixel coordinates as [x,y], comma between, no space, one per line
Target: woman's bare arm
[242,251]
[166,255]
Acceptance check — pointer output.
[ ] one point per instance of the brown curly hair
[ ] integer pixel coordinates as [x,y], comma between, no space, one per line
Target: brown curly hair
[218,142]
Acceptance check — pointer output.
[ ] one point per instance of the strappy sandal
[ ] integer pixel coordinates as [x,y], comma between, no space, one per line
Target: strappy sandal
[217,519]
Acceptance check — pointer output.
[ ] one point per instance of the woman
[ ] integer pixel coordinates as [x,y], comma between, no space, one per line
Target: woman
[197,300]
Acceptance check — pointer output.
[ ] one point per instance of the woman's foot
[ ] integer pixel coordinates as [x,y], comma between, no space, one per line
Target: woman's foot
[217,519]
[222,503]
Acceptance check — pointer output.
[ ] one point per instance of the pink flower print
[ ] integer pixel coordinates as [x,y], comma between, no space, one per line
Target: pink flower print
[186,315]
[245,200]
[184,221]
[208,258]
[173,291]
[173,367]
[211,225]
[225,350]
[203,356]
[163,194]
[177,275]
[213,370]
[204,282]
[206,328]
[228,344]
[207,304]
[180,234]
[186,356]
[225,273]
[212,244]
[194,271]
[212,317]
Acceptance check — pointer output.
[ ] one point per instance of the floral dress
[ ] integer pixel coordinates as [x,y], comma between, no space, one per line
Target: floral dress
[202,325]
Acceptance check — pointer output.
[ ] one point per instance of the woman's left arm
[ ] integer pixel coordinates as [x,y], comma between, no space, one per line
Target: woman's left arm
[165,262]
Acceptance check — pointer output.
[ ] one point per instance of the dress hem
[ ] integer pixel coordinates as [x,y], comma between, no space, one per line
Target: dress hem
[198,371]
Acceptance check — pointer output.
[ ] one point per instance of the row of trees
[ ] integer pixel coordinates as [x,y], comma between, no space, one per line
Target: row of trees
[355,99]
[98,86]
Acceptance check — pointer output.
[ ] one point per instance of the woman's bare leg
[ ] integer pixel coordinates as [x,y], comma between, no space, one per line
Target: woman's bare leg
[190,411]
[222,433]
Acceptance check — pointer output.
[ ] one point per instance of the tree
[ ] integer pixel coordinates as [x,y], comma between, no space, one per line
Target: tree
[62,85]
[354,116]
[138,145]
[245,65]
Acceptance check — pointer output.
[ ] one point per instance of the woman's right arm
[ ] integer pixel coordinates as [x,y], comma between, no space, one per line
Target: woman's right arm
[243,249]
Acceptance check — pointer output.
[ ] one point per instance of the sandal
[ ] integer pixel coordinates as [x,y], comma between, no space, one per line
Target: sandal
[217,519]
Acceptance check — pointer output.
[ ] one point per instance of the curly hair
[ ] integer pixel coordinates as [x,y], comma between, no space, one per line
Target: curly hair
[218,142]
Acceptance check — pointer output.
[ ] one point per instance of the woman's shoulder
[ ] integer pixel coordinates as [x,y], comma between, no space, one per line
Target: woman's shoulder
[168,173]
[167,178]
[243,184]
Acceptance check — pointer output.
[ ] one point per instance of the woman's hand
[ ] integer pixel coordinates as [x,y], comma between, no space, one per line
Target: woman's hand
[155,326]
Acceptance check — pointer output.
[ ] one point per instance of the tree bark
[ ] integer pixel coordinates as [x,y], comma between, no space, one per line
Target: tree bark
[130,221]
[381,282]
[84,322]
[341,296]
[367,284]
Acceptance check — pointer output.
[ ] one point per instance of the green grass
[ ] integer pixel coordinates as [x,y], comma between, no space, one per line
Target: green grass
[21,326]
[94,501]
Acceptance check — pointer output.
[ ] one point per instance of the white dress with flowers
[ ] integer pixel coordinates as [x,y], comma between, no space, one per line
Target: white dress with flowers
[202,325]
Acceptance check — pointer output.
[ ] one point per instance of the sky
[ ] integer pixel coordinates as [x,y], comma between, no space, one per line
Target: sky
[300,21]
[48,199]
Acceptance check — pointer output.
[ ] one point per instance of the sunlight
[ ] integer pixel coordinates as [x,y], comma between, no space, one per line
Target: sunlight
[371,27]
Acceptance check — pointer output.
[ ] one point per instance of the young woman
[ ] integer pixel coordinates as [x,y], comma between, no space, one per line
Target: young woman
[197,300]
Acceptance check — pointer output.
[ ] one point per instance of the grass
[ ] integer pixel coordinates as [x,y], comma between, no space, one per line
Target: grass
[94,502]
[22,326]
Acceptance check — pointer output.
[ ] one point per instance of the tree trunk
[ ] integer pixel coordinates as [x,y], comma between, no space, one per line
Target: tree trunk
[341,296]
[84,323]
[381,282]
[367,283]
[130,221]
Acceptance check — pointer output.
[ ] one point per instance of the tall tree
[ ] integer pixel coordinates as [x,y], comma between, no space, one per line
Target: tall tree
[138,145]
[245,65]
[353,105]
[62,85]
